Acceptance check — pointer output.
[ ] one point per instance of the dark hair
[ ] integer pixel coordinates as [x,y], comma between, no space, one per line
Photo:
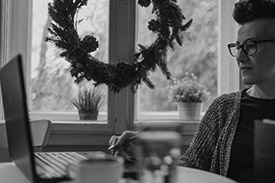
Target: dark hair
[248,10]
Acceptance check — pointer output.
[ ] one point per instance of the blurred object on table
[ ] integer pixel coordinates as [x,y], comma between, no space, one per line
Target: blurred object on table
[158,153]
[264,151]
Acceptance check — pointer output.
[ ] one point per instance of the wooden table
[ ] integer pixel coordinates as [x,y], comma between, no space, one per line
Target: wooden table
[10,174]
[190,175]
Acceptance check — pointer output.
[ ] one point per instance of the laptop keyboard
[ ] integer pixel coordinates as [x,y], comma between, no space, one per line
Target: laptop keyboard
[55,164]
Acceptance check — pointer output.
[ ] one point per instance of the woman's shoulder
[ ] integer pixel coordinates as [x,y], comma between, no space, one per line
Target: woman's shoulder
[227,100]
[227,97]
[223,106]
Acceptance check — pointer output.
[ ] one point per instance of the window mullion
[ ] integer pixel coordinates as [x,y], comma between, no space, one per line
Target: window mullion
[228,72]
[3,40]
[121,48]
[19,32]
[15,31]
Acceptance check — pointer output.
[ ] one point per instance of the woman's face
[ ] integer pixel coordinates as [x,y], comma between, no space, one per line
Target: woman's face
[258,69]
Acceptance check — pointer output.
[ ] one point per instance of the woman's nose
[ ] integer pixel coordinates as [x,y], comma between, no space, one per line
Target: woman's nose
[241,56]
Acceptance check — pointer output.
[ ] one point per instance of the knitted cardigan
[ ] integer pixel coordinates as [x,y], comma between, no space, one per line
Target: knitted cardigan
[211,145]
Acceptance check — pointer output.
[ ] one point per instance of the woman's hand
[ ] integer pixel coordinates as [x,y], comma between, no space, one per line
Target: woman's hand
[124,145]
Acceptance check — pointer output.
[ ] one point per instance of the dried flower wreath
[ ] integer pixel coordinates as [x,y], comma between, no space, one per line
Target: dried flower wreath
[167,25]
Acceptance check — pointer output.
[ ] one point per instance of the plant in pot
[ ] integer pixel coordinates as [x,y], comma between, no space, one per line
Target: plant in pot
[88,102]
[189,95]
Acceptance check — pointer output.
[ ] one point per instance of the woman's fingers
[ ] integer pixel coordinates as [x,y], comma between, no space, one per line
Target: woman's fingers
[113,144]
[113,140]
[123,144]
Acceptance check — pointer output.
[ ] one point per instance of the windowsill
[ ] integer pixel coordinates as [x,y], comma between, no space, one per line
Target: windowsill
[195,121]
[64,116]
[160,115]
[79,122]
[104,122]
[72,117]
[68,122]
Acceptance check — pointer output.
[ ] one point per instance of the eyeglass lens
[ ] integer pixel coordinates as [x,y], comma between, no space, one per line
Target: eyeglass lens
[249,47]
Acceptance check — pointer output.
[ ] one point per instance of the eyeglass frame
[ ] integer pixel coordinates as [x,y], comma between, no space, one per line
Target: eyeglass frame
[245,42]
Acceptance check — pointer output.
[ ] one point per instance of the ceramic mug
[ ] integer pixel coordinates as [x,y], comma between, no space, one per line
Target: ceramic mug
[99,170]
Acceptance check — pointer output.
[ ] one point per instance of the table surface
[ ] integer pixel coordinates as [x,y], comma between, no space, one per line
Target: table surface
[10,174]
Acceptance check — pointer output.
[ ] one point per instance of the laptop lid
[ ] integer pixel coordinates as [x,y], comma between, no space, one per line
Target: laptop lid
[16,117]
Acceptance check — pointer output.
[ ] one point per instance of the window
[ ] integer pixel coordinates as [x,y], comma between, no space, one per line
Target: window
[199,54]
[52,87]
[120,42]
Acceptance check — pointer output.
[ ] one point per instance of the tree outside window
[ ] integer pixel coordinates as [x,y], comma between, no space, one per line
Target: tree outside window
[52,86]
[198,54]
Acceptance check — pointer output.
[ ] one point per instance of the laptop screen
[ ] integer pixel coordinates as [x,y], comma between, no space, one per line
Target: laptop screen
[15,110]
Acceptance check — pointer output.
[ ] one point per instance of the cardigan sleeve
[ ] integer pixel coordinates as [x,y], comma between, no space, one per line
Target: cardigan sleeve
[200,152]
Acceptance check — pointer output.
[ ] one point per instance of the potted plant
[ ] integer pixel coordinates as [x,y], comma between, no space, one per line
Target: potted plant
[189,95]
[88,102]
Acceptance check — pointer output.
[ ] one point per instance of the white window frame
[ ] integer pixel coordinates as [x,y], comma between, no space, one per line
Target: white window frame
[228,71]
[16,38]
[13,39]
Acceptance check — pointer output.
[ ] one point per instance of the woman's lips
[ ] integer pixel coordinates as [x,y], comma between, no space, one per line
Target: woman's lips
[246,69]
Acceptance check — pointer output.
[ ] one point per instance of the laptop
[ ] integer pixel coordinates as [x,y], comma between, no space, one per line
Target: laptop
[37,167]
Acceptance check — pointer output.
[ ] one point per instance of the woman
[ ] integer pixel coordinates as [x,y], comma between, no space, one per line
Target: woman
[223,143]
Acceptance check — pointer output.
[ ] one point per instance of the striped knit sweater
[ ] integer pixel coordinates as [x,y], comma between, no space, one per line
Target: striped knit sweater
[211,145]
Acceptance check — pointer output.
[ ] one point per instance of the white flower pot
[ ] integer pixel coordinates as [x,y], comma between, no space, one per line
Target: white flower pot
[88,115]
[190,111]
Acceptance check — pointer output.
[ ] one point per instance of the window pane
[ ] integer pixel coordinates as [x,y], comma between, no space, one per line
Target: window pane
[198,55]
[52,86]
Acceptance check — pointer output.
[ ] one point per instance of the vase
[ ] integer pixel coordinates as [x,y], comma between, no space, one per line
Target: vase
[190,111]
[88,115]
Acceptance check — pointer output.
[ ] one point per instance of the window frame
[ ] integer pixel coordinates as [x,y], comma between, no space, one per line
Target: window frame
[16,38]
[228,71]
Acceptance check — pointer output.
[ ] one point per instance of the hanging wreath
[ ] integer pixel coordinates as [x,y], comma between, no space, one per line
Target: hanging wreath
[168,26]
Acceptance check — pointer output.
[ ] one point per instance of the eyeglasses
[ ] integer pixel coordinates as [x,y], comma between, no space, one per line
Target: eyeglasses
[249,46]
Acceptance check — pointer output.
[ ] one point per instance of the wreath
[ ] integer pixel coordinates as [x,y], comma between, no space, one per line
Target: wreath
[168,26]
